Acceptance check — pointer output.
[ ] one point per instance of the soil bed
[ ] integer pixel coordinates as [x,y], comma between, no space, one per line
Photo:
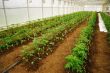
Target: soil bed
[10,56]
[54,63]
[99,56]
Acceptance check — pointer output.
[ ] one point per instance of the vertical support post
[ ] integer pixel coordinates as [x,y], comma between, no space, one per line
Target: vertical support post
[52,2]
[83,8]
[4,9]
[42,10]
[68,7]
[58,7]
[28,10]
[63,7]
[71,6]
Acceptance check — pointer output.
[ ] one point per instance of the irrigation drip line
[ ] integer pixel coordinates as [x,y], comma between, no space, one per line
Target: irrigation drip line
[6,70]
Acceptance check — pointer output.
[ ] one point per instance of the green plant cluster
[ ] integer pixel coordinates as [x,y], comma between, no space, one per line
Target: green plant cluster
[76,60]
[51,36]
[12,29]
[32,30]
[106,19]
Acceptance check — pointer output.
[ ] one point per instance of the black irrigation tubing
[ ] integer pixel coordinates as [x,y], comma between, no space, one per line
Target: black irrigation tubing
[6,70]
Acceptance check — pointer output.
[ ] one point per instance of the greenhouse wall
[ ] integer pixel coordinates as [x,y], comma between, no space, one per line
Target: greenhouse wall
[18,11]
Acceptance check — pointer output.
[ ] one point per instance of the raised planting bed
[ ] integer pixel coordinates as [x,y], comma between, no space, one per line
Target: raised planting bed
[42,45]
[76,60]
[30,31]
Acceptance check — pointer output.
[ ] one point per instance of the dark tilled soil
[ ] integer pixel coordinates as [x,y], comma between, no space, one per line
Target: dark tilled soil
[99,59]
[55,62]
[10,57]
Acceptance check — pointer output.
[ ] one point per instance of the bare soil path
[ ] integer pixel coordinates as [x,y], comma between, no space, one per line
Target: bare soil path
[99,53]
[54,63]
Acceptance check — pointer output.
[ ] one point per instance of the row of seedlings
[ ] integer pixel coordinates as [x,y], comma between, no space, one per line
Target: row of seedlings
[43,45]
[27,33]
[76,60]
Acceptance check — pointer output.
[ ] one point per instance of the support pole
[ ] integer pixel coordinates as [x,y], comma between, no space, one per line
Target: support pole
[4,9]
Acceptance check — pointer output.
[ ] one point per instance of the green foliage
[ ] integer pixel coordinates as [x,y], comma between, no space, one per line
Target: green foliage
[80,51]
[106,19]
[75,61]
[57,33]
[21,34]
[25,52]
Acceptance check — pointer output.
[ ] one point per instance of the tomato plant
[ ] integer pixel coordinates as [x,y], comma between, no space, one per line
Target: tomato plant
[76,60]
[55,34]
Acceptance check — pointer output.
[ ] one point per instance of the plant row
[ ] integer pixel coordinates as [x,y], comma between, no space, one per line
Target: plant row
[13,29]
[43,44]
[29,33]
[76,60]
[27,25]
[106,19]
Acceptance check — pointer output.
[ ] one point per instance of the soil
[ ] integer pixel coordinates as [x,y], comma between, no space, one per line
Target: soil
[54,63]
[99,58]
[10,57]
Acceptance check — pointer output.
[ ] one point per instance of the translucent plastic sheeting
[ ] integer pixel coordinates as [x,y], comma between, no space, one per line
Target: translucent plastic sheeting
[16,15]
[17,12]
[47,12]
[35,13]
[1,5]
[2,18]
[55,11]
[101,24]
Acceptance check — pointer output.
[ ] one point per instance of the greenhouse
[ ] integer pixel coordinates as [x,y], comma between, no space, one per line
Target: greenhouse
[54,36]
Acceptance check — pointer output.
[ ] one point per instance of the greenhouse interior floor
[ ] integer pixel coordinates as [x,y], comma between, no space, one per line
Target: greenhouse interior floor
[54,63]
[99,53]
[98,58]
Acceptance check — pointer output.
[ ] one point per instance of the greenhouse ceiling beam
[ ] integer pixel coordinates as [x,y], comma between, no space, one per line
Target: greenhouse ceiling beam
[91,2]
[88,2]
